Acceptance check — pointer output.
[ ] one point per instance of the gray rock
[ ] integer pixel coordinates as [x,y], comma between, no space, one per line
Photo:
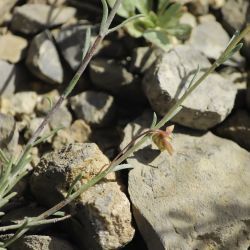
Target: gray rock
[78,132]
[196,199]
[103,210]
[62,118]
[142,60]
[207,106]
[43,59]
[32,127]
[24,102]
[5,7]
[237,128]
[10,78]
[41,242]
[32,18]
[235,13]
[96,108]
[45,101]
[214,41]
[12,48]
[189,19]
[8,133]
[71,39]
[112,75]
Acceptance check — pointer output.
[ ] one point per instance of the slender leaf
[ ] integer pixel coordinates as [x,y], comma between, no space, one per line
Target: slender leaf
[144,6]
[122,167]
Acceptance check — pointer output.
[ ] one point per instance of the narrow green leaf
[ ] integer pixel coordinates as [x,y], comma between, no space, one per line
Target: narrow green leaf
[87,43]
[128,20]
[122,167]
[154,121]
[194,76]
[230,53]
[104,16]
[71,188]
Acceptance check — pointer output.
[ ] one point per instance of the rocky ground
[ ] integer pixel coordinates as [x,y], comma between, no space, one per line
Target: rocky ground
[196,199]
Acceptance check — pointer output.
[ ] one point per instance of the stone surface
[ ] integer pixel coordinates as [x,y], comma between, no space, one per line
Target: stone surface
[142,60]
[237,128]
[209,38]
[196,199]
[103,210]
[10,78]
[24,102]
[8,133]
[113,76]
[70,41]
[235,13]
[96,108]
[5,7]
[12,47]
[78,132]
[41,242]
[46,100]
[33,125]
[43,59]
[32,18]
[206,106]
[188,18]
[62,118]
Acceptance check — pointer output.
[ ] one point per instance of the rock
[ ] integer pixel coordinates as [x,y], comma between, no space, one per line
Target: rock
[207,106]
[142,60]
[33,125]
[240,82]
[188,18]
[112,75]
[43,59]
[62,118]
[235,13]
[8,133]
[96,108]
[198,7]
[32,18]
[41,242]
[237,128]
[71,39]
[103,210]
[46,100]
[196,199]
[24,102]
[10,78]
[78,132]
[12,47]
[214,41]
[5,7]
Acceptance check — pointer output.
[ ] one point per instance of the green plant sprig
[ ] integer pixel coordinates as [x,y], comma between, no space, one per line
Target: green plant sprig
[137,142]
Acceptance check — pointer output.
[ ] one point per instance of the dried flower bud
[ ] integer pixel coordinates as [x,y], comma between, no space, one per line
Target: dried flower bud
[162,139]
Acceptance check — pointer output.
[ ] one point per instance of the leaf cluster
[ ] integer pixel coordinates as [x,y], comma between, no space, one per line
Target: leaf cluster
[160,22]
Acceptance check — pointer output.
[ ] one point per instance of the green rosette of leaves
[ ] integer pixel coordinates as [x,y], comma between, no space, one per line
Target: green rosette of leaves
[160,23]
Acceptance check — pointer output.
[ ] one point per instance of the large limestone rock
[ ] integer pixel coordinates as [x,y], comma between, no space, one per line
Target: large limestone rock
[12,47]
[5,7]
[41,242]
[197,199]
[32,18]
[103,211]
[43,59]
[96,108]
[207,106]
